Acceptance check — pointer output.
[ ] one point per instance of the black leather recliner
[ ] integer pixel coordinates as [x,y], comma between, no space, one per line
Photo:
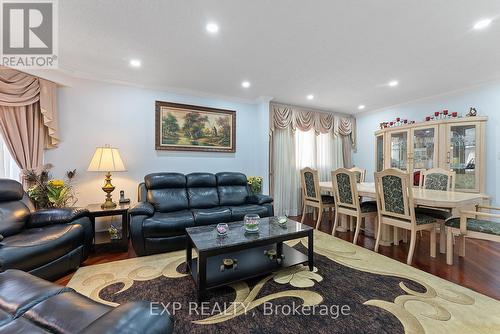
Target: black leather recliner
[31,305]
[47,243]
[170,202]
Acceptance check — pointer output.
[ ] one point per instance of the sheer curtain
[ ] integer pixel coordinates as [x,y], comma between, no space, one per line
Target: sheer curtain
[293,151]
[8,167]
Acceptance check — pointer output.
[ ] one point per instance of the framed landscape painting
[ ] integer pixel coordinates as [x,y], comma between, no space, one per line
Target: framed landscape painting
[182,127]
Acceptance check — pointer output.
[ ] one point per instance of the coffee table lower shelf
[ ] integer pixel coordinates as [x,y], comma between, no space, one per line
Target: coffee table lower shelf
[251,263]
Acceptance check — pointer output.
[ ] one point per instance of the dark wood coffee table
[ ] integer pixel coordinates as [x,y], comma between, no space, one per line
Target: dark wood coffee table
[241,256]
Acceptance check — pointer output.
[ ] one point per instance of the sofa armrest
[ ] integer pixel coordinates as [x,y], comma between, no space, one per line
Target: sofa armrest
[259,199]
[133,317]
[142,208]
[46,217]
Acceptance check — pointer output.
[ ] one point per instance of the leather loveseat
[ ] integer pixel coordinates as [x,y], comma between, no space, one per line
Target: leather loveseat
[47,243]
[170,202]
[29,304]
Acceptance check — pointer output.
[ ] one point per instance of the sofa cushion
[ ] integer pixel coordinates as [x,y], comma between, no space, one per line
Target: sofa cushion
[165,180]
[232,188]
[36,247]
[13,217]
[11,190]
[167,191]
[167,224]
[211,216]
[202,190]
[238,212]
[67,312]
[19,291]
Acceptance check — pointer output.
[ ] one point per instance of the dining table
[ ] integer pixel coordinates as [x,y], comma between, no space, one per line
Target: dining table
[452,200]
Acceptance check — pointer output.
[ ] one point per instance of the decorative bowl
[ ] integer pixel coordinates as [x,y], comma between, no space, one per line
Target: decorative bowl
[282,221]
[222,229]
[251,222]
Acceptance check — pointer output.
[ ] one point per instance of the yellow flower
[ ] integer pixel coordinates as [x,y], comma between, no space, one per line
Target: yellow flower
[56,183]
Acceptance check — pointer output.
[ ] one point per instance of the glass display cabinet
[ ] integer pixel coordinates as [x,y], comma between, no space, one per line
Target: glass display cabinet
[424,151]
[379,153]
[398,142]
[464,141]
[456,144]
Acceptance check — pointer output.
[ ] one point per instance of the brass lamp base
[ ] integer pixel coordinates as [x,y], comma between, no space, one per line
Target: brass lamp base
[108,189]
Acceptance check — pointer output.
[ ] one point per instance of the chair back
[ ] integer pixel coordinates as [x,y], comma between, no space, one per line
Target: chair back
[360,174]
[437,179]
[395,194]
[345,189]
[310,184]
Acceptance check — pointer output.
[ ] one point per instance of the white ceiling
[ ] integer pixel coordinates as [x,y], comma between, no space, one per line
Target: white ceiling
[342,51]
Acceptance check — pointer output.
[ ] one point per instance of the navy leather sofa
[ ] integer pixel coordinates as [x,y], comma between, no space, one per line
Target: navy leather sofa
[170,202]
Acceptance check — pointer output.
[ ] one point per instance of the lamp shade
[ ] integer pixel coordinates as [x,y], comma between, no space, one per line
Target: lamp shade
[106,159]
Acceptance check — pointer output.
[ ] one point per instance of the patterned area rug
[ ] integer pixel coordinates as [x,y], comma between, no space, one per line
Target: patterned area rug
[351,290]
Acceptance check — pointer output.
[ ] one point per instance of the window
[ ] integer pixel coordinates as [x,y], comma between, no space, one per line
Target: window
[8,166]
[322,152]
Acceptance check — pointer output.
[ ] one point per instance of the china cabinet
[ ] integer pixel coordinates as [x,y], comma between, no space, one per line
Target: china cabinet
[456,144]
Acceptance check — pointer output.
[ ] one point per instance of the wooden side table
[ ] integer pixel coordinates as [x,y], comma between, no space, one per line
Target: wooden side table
[103,239]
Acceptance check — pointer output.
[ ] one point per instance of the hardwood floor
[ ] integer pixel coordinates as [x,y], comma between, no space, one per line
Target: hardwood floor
[479,270]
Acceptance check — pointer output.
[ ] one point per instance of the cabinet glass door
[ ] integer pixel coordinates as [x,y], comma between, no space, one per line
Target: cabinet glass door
[399,150]
[462,155]
[424,148]
[380,153]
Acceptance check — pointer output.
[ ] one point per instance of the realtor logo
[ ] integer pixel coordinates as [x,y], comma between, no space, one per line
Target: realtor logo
[29,33]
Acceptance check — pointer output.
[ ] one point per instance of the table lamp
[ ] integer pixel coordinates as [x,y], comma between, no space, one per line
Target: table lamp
[107,159]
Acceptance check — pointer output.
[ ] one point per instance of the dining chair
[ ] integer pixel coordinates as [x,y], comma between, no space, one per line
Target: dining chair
[472,224]
[347,201]
[312,195]
[360,177]
[394,192]
[443,180]
[360,174]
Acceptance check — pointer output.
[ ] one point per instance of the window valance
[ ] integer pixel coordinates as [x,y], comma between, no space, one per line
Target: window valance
[18,89]
[283,117]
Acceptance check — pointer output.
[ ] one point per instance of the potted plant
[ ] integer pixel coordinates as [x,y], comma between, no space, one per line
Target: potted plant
[46,192]
[255,184]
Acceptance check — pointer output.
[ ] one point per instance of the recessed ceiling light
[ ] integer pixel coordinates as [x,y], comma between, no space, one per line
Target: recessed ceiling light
[245,84]
[393,83]
[310,97]
[482,24]
[212,28]
[361,107]
[135,63]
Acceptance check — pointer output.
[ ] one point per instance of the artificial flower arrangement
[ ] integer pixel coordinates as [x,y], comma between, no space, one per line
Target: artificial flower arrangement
[255,184]
[46,192]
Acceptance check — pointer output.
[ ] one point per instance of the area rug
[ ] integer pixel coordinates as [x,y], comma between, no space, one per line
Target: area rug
[351,290]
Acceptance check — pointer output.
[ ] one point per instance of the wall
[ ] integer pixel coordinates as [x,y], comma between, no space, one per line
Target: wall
[93,113]
[486,99]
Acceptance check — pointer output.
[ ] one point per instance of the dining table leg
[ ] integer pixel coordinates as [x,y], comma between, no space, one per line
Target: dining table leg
[442,238]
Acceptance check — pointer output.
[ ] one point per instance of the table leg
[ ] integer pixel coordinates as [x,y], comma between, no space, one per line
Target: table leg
[125,224]
[202,276]
[279,250]
[92,220]
[189,255]
[310,250]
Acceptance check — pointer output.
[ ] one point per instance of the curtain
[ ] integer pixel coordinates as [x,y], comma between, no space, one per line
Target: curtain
[23,132]
[28,116]
[285,176]
[304,138]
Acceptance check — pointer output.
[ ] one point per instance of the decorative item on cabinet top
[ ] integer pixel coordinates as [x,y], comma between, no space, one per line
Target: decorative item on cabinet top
[397,122]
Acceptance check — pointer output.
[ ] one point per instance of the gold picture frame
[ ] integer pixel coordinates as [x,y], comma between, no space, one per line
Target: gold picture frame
[184,127]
